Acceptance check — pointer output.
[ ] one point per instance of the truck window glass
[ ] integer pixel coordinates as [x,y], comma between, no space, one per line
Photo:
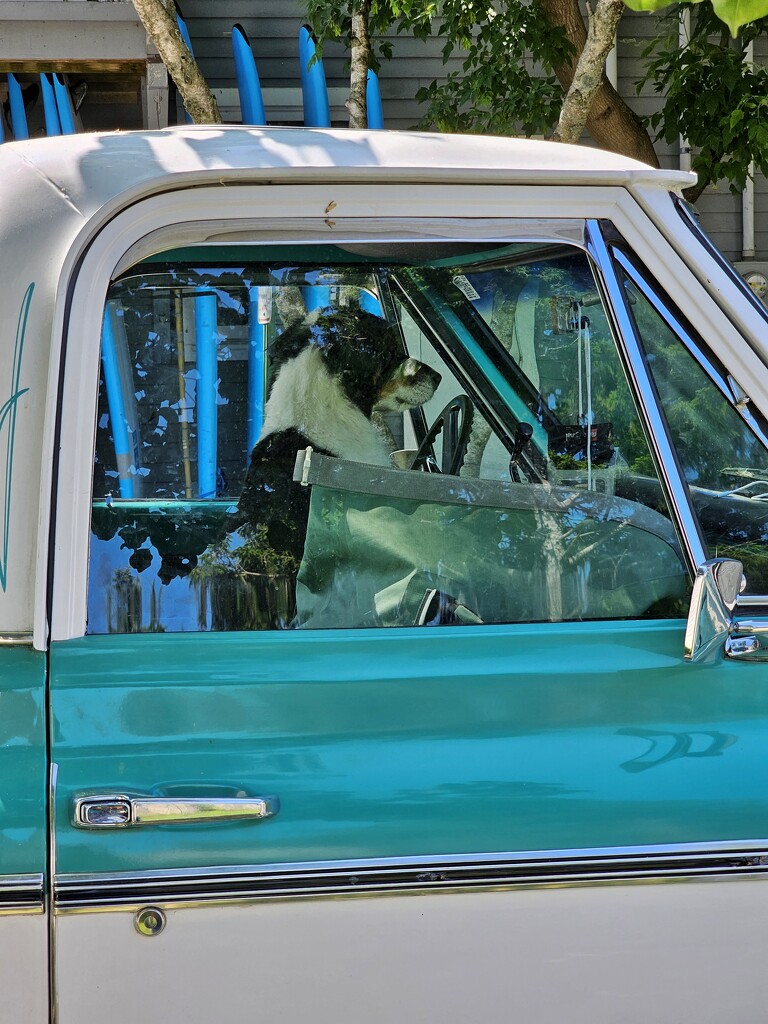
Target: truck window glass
[329,436]
[725,463]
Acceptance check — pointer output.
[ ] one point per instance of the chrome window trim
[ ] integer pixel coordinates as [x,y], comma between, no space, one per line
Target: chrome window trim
[60,602]
[689,218]
[663,451]
[569,232]
[75,893]
[61,597]
[21,894]
[639,276]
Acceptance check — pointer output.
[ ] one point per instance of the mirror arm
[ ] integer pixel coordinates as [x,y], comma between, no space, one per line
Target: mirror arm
[716,588]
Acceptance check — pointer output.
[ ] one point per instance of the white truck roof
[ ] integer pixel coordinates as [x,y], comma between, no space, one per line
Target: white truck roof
[93,169]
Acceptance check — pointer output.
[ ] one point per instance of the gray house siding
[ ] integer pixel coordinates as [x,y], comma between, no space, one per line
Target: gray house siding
[114,98]
[719,208]
[273,29]
[273,26]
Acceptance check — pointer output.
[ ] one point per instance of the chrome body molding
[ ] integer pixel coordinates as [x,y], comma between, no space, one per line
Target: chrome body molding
[21,894]
[15,639]
[253,883]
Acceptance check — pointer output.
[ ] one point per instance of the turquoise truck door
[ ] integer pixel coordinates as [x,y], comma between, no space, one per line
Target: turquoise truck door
[23,820]
[389,778]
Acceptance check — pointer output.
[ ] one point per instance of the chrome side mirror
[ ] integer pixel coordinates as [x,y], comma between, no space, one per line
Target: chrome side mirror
[716,588]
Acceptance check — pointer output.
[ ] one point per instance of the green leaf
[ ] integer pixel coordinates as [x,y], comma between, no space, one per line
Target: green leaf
[736,13]
[648,5]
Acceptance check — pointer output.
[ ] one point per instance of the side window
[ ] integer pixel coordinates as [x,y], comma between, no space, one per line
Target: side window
[318,437]
[724,462]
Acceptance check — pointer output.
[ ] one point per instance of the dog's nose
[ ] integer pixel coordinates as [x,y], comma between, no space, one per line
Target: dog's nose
[433,375]
[414,369]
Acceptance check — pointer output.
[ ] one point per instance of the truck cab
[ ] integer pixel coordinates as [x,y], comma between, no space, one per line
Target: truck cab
[383,585]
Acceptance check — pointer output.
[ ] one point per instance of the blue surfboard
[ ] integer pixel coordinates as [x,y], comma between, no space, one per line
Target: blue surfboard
[317,113]
[248,85]
[52,122]
[184,30]
[64,106]
[18,114]
[373,101]
[258,335]
[187,42]
[121,431]
[206,341]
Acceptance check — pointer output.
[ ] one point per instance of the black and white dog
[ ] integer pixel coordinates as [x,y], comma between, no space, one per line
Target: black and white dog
[334,374]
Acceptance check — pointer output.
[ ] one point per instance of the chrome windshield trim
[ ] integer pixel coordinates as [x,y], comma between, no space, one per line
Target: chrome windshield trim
[691,537]
[640,279]
[718,378]
[688,217]
[253,883]
[21,894]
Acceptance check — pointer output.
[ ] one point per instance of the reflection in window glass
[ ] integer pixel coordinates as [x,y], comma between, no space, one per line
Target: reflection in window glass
[475,452]
[725,465]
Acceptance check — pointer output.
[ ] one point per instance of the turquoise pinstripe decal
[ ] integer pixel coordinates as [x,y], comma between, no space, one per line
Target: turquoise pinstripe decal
[8,421]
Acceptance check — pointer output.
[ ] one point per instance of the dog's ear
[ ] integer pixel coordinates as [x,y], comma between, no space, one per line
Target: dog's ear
[287,345]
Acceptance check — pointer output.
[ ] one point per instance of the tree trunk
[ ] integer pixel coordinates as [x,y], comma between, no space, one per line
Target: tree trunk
[590,70]
[159,20]
[610,122]
[360,61]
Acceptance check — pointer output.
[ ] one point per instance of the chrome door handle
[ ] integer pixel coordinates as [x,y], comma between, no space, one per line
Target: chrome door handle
[118,810]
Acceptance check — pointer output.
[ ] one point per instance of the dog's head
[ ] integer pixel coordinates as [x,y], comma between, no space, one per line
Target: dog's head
[364,354]
[410,384]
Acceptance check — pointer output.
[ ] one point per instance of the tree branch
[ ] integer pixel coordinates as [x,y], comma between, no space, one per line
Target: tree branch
[610,121]
[590,69]
[159,20]
[360,61]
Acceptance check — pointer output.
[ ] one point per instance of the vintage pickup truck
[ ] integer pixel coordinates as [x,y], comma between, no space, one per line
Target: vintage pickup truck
[383,586]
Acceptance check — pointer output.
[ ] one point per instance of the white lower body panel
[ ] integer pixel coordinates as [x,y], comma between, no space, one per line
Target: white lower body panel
[607,954]
[23,968]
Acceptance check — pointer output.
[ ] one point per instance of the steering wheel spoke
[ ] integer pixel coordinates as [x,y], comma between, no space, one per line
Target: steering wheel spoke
[455,424]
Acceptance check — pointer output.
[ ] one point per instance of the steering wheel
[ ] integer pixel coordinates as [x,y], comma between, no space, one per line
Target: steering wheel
[455,423]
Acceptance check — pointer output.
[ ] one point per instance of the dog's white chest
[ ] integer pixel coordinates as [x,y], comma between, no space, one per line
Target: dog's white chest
[307,398]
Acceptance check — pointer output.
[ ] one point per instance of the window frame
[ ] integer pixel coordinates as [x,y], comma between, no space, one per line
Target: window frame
[713,370]
[530,213]
[689,216]
[475,354]
[190,216]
